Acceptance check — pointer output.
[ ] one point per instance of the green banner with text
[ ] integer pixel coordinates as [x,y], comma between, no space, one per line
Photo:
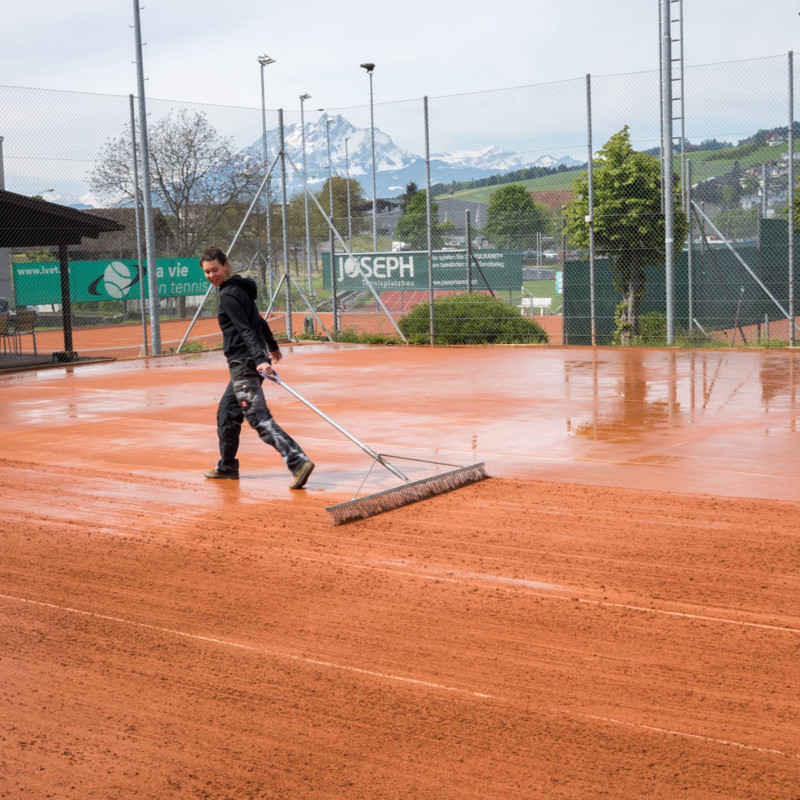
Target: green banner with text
[408,270]
[93,281]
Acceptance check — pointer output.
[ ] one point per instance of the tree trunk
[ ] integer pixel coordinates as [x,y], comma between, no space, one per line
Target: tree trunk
[632,298]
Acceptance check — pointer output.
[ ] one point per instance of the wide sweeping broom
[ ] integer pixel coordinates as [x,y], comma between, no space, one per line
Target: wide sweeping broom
[409,492]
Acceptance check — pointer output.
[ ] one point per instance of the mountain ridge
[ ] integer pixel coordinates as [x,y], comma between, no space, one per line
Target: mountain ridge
[351,155]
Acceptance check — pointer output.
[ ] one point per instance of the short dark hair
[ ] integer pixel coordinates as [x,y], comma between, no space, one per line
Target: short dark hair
[213,253]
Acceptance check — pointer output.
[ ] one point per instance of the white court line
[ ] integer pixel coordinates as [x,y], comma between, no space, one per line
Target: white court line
[250,648]
[682,734]
[398,678]
[522,585]
[687,615]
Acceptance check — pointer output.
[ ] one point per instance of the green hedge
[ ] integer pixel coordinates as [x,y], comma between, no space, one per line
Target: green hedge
[471,319]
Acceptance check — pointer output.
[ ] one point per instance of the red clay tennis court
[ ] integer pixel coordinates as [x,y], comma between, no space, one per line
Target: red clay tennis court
[614,613]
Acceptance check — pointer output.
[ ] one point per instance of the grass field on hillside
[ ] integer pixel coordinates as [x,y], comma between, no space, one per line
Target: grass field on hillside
[561,180]
[705,164]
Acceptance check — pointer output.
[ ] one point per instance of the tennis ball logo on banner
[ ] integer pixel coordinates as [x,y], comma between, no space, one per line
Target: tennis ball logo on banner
[381,267]
[351,267]
[117,280]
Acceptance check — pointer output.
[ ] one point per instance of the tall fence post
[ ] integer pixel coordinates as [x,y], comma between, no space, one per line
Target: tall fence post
[6,282]
[690,264]
[142,293]
[331,231]
[468,235]
[149,229]
[590,215]
[428,216]
[287,276]
[563,272]
[790,132]
[667,168]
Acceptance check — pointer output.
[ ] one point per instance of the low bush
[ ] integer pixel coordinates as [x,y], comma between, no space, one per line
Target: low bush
[470,319]
[652,329]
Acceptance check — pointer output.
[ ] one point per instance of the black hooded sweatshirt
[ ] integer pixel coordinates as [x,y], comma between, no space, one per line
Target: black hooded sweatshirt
[245,333]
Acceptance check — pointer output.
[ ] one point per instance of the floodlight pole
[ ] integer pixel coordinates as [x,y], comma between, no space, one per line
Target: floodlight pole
[287,274]
[369,68]
[149,229]
[349,211]
[667,167]
[264,60]
[140,265]
[303,98]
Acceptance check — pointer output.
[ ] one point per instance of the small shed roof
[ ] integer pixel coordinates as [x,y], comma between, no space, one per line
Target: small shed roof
[28,222]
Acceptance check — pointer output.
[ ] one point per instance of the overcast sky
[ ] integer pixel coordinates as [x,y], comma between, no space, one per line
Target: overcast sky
[203,51]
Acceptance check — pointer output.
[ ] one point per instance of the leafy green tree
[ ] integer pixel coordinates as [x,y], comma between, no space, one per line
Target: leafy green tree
[751,184]
[318,227]
[447,227]
[412,227]
[730,195]
[785,210]
[628,222]
[513,218]
[405,197]
[708,191]
[738,223]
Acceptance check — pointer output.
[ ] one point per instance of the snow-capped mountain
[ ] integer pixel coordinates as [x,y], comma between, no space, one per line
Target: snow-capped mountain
[488,158]
[498,160]
[395,167]
[351,153]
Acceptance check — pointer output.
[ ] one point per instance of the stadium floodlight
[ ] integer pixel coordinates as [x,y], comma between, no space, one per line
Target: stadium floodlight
[264,60]
[303,97]
[369,68]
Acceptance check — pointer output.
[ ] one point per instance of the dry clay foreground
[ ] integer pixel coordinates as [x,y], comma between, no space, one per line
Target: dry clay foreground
[593,621]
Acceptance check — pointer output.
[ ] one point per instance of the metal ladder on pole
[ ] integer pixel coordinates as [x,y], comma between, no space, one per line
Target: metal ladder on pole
[675,71]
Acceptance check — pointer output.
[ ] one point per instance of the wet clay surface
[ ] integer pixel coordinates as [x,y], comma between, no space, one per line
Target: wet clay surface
[613,614]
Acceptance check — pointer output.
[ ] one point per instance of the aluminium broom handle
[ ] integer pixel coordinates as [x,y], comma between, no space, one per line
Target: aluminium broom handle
[275,378]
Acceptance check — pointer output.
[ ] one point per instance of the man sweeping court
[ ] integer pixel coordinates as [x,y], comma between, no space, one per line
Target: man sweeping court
[250,348]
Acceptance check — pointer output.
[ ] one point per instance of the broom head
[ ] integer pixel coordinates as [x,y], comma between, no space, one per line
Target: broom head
[406,494]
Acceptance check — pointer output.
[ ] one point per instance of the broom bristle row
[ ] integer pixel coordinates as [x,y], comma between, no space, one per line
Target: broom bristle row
[404,495]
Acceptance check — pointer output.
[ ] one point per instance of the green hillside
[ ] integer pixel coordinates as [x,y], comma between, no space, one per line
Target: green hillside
[705,164]
[561,180]
[716,163]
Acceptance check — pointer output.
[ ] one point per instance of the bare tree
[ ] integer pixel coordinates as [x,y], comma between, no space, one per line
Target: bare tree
[197,177]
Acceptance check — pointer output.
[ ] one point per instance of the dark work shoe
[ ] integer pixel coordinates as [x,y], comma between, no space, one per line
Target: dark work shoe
[301,476]
[219,475]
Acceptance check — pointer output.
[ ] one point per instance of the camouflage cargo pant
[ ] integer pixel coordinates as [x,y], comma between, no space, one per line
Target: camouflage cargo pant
[243,399]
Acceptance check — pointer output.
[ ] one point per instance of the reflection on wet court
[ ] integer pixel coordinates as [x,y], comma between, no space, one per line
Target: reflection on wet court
[715,421]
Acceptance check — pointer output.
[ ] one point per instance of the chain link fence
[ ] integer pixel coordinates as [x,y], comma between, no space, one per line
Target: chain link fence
[516,244]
